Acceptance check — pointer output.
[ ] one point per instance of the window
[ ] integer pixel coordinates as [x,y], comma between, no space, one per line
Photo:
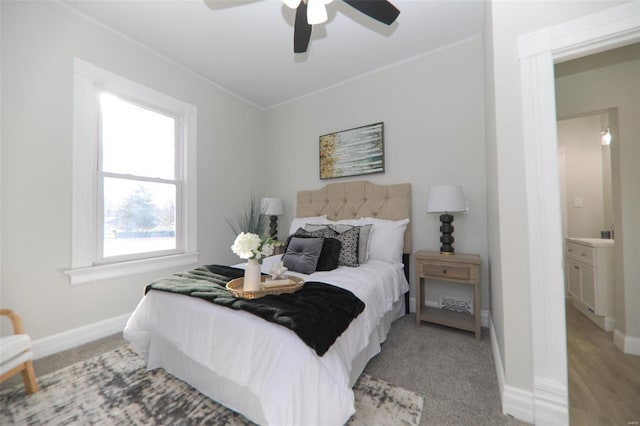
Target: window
[137,173]
[134,198]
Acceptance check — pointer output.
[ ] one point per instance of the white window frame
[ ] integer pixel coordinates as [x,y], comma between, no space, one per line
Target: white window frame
[177,180]
[86,241]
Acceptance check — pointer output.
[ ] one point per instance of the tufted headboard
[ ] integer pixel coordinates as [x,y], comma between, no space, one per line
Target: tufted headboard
[352,200]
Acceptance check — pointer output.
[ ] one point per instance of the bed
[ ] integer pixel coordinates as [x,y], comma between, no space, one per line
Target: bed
[263,370]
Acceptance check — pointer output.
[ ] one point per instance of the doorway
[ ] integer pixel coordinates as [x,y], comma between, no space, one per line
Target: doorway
[538,51]
[589,143]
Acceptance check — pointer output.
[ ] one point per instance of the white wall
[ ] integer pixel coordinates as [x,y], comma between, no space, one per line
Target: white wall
[580,138]
[39,43]
[510,301]
[616,85]
[432,109]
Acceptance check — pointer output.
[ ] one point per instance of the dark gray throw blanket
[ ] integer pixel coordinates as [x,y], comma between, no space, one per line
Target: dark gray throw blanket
[318,313]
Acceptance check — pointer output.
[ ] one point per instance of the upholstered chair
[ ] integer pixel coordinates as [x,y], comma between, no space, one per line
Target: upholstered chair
[15,354]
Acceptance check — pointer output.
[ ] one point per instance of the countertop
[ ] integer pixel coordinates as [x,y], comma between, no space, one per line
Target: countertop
[592,242]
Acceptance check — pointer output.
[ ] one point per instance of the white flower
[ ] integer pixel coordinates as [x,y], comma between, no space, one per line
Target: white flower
[250,246]
[246,244]
[267,249]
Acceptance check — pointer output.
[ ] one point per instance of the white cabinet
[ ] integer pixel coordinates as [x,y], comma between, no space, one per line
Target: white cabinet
[590,274]
[574,275]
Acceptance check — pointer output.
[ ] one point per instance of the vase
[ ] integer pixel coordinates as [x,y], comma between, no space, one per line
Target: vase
[252,276]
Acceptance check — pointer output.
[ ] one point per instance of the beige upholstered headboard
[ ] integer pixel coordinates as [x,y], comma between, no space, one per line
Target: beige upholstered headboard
[351,200]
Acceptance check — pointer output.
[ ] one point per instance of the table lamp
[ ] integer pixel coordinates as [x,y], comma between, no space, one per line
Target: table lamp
[273,208]
[446,199]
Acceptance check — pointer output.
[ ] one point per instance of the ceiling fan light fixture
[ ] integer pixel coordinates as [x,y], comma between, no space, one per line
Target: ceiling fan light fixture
[293,4]
[316,12]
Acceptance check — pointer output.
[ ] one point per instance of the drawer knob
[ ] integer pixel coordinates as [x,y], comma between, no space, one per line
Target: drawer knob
[444,271]
[575,267]
[583,254]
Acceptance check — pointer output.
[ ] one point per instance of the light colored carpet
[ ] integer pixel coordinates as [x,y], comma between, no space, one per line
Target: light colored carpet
[453,372]
[450,368]
[115,389]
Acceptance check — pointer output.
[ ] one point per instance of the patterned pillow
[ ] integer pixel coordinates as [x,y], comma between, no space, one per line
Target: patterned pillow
[349,239]
[301,232]
[318,233]
[364,239]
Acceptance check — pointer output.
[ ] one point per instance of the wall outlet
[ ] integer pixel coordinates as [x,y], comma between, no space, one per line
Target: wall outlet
[578,202]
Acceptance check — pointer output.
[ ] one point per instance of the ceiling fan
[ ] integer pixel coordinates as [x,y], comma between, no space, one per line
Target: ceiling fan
[313,12]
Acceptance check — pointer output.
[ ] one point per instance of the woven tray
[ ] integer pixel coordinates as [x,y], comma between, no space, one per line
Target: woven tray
[236,288]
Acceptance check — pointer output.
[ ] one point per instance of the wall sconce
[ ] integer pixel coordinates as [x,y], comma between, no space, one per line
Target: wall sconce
[272,207]
[446,199]
[605,137]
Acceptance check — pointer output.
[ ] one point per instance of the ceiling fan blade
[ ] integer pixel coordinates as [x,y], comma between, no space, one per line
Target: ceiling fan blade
[301,30]
[380,10]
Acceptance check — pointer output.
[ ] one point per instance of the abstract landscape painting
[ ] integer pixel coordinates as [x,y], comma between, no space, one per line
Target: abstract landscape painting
[353,152]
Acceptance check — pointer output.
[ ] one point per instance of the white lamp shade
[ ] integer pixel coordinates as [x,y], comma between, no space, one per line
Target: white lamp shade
[272,206]
[446,199]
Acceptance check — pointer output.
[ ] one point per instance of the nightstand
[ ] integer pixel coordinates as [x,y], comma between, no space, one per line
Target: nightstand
[278,247]
[455,268]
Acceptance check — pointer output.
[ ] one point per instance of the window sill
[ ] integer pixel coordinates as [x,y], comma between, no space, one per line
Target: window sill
[114,270]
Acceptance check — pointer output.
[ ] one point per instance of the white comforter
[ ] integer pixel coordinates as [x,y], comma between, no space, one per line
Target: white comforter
[287,381]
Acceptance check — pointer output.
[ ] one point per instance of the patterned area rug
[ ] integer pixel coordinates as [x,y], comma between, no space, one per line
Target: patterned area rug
[115,389]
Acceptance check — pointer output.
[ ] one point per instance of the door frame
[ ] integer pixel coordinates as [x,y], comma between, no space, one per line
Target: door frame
[538,51]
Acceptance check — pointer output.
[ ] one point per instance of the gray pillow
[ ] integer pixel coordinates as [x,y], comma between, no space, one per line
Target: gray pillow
[312,227]
[302,254]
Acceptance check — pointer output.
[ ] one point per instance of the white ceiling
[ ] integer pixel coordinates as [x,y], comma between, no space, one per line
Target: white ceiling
[248,48]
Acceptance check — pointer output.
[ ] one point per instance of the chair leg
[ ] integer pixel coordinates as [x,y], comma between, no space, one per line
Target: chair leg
[29,378]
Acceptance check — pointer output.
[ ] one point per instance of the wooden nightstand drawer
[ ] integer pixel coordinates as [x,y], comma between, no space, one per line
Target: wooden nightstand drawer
[445,271]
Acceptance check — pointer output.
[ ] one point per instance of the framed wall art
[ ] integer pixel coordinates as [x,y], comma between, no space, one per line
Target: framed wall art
[352,152]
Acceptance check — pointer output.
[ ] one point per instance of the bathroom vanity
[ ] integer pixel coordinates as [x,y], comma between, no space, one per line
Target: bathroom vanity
[590,278]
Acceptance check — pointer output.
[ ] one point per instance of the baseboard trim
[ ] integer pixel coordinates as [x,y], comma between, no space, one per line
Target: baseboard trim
[518,403]
[484,318]
[607,323]
[627,344]
[70,339]
[515,402]
[497,358]
[484,313]
[551,402]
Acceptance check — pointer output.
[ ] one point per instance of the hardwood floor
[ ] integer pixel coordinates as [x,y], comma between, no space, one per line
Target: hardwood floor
[604,382]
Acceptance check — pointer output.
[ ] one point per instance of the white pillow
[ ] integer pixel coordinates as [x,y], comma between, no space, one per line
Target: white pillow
[300,222]
[387,239]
